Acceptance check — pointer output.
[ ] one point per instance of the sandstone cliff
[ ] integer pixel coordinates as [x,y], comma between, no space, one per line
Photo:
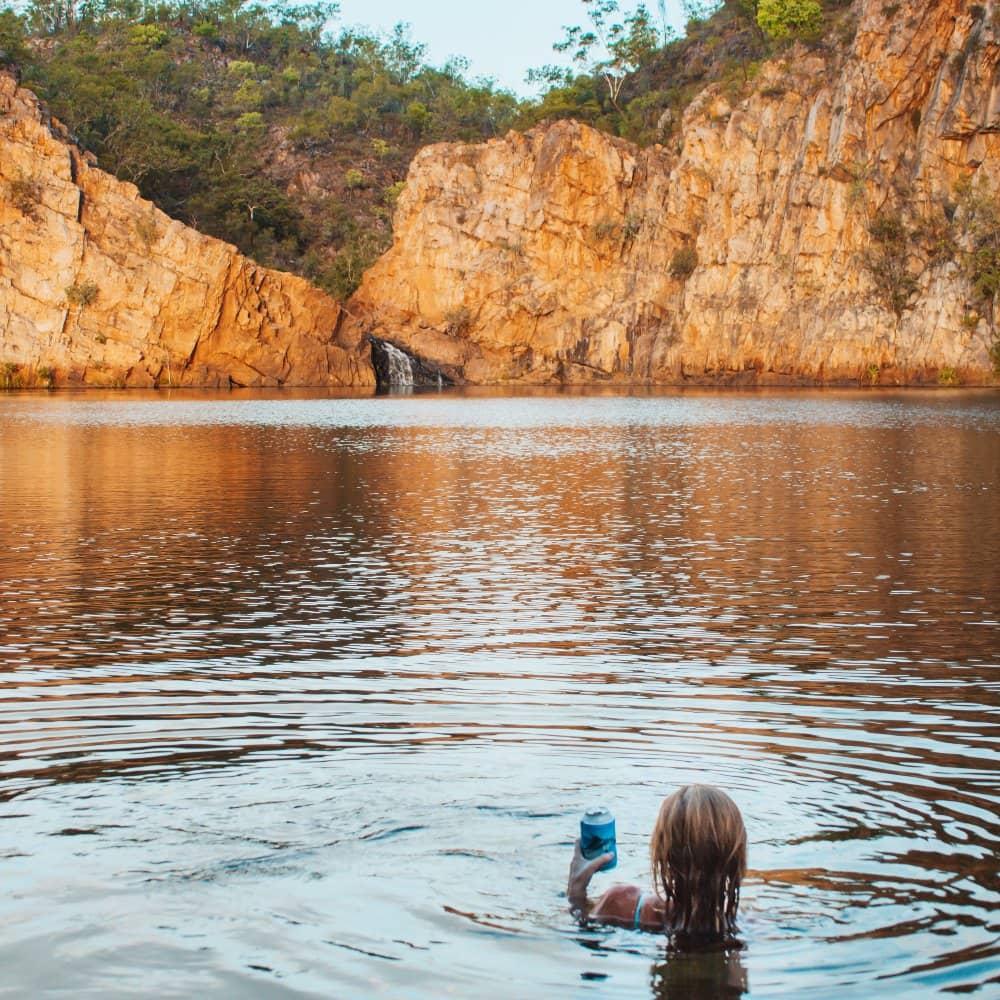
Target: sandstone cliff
[98,287]
[806,228]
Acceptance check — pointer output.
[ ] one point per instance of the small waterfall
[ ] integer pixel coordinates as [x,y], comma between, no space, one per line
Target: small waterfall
[395,369]
[399,366]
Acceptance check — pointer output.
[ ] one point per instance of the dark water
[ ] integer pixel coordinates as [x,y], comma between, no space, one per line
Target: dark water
[303,696]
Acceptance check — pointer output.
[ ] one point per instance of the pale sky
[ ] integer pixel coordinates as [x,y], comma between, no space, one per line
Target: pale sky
[501,40]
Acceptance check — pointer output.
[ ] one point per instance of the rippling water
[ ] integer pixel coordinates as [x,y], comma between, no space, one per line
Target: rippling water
[304,696]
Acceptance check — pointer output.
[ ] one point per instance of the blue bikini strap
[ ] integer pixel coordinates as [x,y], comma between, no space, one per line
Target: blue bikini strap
[638,910]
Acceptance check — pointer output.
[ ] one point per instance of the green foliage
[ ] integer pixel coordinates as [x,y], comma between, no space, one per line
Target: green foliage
[13,35]
[781,19]
[888,260]
[981,212]
[683,262]
[148,36]
[25,193]
[417,117]
[82,294]
[872,374]
[391,193]
[354,179]
[979,215]
[190,103]
[251,121]
[947,376]
[242,68]
[723,43]
[608,48]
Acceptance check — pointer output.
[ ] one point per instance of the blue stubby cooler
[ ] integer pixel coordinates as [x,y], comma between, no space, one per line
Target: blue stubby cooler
[597,836]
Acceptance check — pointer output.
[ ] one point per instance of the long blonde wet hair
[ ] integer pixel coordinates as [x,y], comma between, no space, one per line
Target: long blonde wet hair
[699,855]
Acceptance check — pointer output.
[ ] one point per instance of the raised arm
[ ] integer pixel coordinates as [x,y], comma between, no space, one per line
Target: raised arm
[581,871]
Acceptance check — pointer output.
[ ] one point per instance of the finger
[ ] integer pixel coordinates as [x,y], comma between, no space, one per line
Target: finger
[597,864]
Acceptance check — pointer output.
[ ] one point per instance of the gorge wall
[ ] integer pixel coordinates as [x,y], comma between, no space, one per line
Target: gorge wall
[807,228]
[98,287]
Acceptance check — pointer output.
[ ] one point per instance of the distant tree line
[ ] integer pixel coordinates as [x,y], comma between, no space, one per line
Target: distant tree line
[259,124]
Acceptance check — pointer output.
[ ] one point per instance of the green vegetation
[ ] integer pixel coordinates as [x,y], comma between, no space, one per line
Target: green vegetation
[981,212]
[683,262]
[978,215]
[25,193]
[258,124]
[83,294]
[947,376]
[250,122]
[888,260]
[608,48]
[781,19]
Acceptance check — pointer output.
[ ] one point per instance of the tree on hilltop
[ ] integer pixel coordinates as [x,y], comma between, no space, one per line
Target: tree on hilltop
[611,49]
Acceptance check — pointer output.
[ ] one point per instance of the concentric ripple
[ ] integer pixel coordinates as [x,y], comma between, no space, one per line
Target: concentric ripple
[303,696]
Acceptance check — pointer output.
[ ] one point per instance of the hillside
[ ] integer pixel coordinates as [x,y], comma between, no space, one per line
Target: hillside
[260,126]
[835,218]
[826,214]
[99,287]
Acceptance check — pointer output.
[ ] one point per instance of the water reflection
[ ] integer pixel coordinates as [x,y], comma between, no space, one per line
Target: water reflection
[700,975]
[320,686]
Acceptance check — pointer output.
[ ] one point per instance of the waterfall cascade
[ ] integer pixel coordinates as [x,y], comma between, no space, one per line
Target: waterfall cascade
[399,366]
[395,369]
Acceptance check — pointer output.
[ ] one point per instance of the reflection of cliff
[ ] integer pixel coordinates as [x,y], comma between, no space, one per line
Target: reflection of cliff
[687,543]
[175,533]
[745,253]
[99,287]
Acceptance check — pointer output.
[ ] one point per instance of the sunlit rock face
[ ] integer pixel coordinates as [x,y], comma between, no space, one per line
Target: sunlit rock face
[742,253]
[97,287]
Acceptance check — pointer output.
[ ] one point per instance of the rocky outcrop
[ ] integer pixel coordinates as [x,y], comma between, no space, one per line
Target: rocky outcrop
[805,229]
[98,287]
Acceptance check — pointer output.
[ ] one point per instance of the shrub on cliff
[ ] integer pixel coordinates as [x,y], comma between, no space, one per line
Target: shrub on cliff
[888,260]
[979,219]
[25,194]
[782,19]
[82,294]
[683,263]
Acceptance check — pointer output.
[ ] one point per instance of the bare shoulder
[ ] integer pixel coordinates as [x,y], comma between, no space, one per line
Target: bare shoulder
[617,905]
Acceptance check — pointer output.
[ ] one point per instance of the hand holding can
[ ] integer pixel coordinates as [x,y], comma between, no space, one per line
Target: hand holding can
[597,835]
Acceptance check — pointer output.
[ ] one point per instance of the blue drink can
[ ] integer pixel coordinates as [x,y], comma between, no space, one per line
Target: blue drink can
[597,836]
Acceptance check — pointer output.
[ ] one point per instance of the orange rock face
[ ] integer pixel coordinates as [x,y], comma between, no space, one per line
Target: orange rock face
[743,253]
[98,287]
[746,250]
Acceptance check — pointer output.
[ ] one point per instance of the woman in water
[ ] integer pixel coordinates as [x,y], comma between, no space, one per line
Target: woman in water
[699,856]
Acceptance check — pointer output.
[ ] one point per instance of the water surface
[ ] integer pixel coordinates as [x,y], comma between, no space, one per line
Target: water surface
[302,696]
